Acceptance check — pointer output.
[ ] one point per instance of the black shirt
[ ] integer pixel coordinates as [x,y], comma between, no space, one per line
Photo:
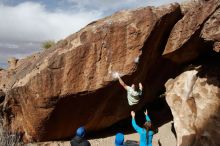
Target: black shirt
[78,141]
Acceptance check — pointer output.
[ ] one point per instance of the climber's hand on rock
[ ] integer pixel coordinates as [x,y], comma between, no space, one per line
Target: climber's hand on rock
[117,75]
[140,86]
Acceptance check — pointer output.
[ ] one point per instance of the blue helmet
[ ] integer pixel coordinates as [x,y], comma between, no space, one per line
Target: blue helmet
[119,139]
[81,132]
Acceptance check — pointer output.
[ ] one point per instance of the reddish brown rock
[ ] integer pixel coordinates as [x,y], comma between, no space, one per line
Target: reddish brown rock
[211,29]
[52,93]
[184,43]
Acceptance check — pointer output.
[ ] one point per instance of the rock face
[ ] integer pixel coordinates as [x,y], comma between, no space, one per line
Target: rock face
[185,43]
[50,94]
[211,30]
[193,96]
[2,96]
[194,99]
[12,63]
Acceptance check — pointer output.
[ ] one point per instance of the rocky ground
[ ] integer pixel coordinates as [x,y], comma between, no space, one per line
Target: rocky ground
[164,135]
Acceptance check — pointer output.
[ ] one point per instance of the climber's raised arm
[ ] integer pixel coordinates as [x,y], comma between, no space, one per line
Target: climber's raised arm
[135,126]
[121,82]
[146,116]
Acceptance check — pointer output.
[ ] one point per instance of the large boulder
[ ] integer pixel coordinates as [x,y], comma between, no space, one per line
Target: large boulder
[193,96]
[185,43]
[52,93]
[194,99]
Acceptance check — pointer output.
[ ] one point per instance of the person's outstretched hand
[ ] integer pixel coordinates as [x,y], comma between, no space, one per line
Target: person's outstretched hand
[132,114]
[146,112]
[140,86]
[117,75]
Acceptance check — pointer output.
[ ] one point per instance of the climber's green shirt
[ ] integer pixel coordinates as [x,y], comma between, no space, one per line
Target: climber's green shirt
[133,96]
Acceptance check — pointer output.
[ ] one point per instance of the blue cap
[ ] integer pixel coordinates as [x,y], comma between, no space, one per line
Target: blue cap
[119,139]
[81,132]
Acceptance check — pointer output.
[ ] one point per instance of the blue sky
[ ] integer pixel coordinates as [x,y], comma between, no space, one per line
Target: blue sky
[25,24]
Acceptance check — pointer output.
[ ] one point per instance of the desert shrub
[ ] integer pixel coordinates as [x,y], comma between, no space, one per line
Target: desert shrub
[48,44]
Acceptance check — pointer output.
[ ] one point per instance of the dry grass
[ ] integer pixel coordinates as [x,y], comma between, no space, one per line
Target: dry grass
[7,138]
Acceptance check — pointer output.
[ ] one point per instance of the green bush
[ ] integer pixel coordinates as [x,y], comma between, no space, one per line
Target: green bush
[48,44]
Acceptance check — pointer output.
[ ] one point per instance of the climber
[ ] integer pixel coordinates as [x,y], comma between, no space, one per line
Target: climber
[132,95]
[146,133]
[79,139]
